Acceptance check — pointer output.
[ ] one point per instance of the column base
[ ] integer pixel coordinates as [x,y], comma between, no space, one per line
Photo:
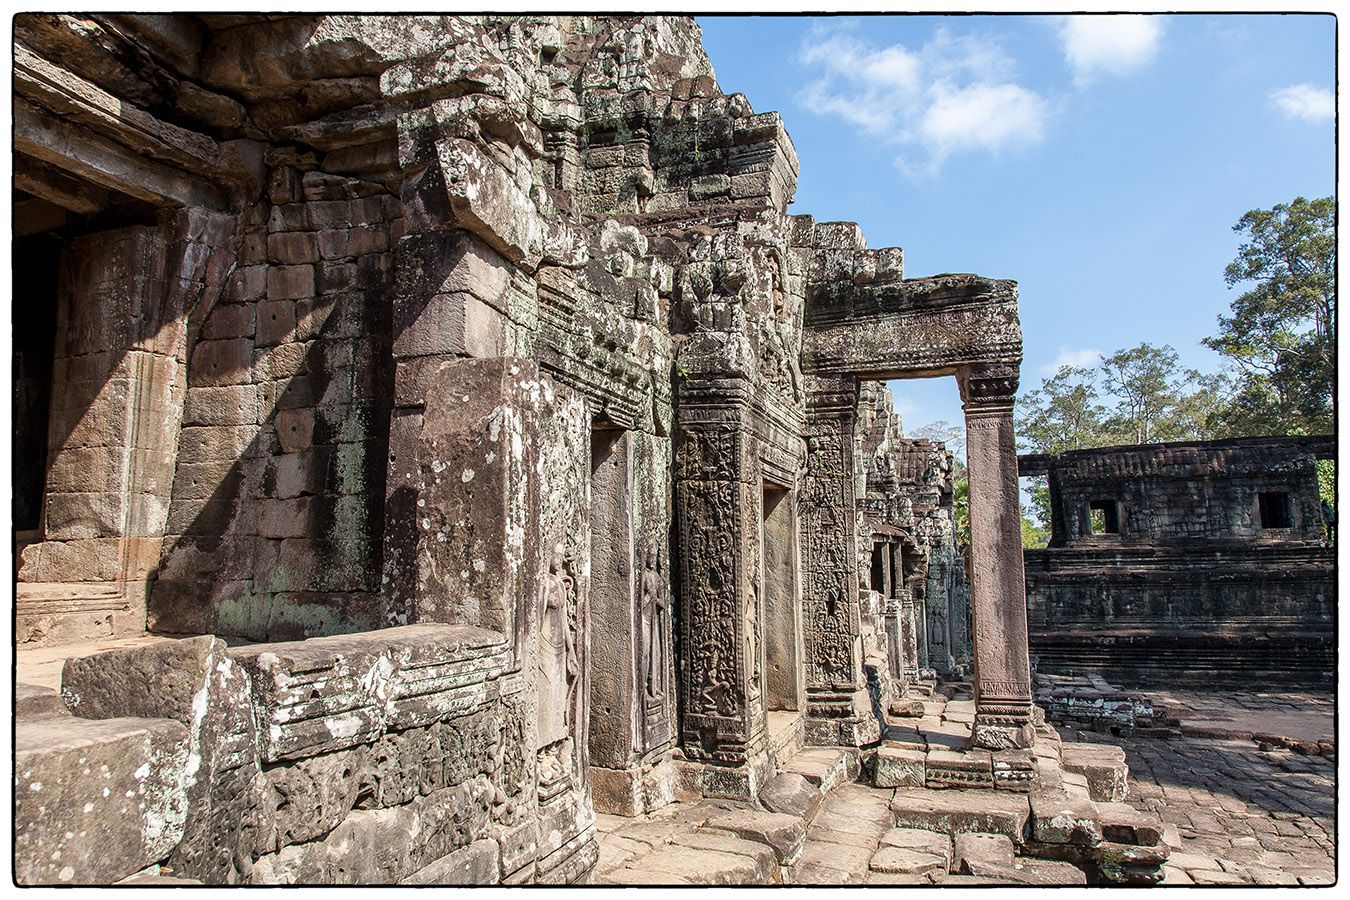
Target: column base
[696,780]
[1001,732]
[635,791]
[841,719]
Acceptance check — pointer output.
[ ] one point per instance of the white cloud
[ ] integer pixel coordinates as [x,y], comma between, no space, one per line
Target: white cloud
[1110,44]
[1304,101]
[954,94]
[1077,358]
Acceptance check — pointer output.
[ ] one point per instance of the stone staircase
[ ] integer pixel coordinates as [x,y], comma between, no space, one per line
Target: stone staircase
[723,842]
[1056,802]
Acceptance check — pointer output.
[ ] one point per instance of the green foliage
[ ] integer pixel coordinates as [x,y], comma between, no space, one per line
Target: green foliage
[961,508]
[1038,493]
[1326,481]
[1152,396]
[1033,537]
[1281,336]
[1063,414]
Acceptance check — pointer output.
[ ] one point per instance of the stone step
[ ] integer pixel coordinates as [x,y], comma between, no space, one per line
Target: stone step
[95,800]
[787,736]
[1103,765]
[962,811]
[825,767]
[32,701]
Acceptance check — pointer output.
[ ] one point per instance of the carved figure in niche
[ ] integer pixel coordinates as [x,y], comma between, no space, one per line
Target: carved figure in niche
[655,619]
[716,696]
[558,665]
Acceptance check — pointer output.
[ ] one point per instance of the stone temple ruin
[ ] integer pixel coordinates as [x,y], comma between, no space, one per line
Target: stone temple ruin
[454,438]
[1207,560]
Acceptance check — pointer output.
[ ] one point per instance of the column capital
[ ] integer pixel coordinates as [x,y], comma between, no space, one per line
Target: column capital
[988,385]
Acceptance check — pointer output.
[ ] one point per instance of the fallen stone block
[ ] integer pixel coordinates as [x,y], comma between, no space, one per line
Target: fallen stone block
[1015,770]
[921,840]
[958,812]
[900,878]
[1058,818]
[1124,824]
[824,767]
[195,682]
[906,708]
[1113,863]
[896,767]
[1046,872]
[983,854]
[712,859]
[790,793]
[96,800]
[906,861]
[1103,765]
[32,701]
[783,833]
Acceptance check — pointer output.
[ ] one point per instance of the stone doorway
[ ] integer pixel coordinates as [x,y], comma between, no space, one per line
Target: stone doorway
[781,593]
[36,263]
[98,383]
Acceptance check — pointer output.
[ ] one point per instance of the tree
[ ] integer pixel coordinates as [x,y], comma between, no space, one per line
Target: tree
[944,432]
[1281,335]
[1033,536]
[1150,390]
[1063,414]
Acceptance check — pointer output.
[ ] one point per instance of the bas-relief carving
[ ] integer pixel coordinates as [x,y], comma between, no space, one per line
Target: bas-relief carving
[559,670]
[655,613]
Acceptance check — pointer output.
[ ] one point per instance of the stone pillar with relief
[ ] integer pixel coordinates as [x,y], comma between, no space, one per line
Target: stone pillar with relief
[1002,676]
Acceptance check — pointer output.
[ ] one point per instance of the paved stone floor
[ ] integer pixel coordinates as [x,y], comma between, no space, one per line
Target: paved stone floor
[1236,814]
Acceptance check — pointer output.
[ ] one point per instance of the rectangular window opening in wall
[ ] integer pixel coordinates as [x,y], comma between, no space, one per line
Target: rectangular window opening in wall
[1274,509]
[1105,516]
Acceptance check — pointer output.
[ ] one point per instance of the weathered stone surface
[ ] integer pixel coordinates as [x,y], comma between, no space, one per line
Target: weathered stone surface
[977,853]
[791,794]
[1181,524]
[958,769]
[383,846]
[784,833]
[958,812]
[1104,767]
[33,701]
[1124,824]
[397,678]
[895,767]
[194,682]
[96,800]
[475,864]
[906,861]
[1063,819]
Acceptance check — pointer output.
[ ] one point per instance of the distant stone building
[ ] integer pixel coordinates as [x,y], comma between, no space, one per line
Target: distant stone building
[1203,560]
[464,437]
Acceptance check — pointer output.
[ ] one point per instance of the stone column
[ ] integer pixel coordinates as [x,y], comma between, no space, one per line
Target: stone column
[998,596]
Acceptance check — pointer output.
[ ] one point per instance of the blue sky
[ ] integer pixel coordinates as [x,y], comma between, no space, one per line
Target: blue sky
[1099,161]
